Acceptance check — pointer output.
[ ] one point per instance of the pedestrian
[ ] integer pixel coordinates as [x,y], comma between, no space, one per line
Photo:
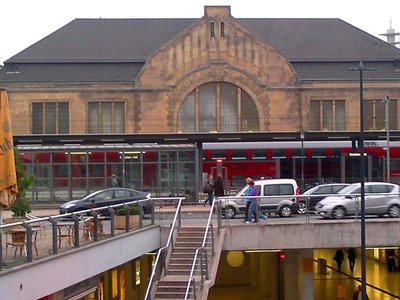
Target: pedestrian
[209,189]
[391,260]
[248,200]
[218,188]
[253,208]
[114,181]
[351,255]
[339,258]
[357,295]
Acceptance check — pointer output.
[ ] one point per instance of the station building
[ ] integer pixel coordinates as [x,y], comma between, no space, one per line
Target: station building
[106,78]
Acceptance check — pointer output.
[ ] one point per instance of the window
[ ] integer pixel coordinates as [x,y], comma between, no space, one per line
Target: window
[222,29]
[374,115]
[218,106]
[327,115]
[50,118]
[106,117]
[212,29]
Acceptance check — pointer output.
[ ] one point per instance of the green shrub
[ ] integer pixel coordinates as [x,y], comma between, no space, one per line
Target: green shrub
[133,210]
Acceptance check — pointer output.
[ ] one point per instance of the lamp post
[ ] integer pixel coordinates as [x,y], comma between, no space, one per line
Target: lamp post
[361,69]
[386,101]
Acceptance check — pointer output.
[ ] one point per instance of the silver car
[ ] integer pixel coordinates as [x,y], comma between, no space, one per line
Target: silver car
[380,199]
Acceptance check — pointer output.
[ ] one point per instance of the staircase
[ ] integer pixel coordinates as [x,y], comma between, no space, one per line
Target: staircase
[174,284]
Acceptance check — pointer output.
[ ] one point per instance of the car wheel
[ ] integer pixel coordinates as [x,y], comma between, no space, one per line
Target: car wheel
[229,212]
[285,211]
[302,208]
[394,211]
[338,212]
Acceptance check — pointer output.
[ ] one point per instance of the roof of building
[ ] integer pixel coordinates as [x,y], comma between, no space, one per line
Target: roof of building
[97,49]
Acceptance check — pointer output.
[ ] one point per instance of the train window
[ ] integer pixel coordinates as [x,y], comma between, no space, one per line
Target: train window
[259,154]
[238,154]
[218,154]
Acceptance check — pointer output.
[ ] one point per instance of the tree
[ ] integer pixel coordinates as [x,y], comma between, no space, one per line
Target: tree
[22,205]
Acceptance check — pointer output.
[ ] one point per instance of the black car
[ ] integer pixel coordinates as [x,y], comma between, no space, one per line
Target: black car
[321,189]
[106,197]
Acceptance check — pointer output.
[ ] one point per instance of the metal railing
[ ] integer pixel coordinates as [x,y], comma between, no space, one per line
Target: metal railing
[77,224]
[160,264]
[204,259]
[300,205]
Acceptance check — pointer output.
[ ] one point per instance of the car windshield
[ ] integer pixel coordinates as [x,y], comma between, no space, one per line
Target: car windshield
[348,189]
[311,191]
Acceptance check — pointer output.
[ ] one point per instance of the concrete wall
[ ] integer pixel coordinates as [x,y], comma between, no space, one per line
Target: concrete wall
[317,234]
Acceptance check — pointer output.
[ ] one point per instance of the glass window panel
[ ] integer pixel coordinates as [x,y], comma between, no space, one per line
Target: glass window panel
[393,115]
[207,107]
[249,117]
[50,119]
[379,115]
[106,117]
[327,113]
[37,118]
[63,118]
[368,115]
[340,115]
[229,111]
[119,108]
[315,115]
[186,116]
[94,117]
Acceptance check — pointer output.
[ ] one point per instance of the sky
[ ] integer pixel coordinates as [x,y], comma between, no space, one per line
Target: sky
[24,22]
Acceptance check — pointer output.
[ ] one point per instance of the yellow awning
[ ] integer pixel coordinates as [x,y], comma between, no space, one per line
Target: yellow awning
[8,177]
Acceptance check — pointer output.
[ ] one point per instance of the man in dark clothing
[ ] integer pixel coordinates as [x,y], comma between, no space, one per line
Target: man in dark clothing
[339,258]
[351,255]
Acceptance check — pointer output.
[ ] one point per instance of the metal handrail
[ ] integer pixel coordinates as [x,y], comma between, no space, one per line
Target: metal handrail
[198,250]
[53,220]
[167,245]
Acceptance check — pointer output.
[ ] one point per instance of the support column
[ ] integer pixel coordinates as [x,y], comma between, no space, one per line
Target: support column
[299,262]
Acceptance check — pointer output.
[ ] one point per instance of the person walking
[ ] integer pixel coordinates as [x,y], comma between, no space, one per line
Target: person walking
[357,295]
[209,190]
[339,258]
[253,208]
[351,255]
[391,260]
[248,200]
[218,188]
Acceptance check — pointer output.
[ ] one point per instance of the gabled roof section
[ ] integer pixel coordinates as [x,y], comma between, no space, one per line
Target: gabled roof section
[134,40]
[103,40]
[321,40]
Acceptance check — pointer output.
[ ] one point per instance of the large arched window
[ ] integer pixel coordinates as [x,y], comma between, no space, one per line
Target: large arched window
[218,106]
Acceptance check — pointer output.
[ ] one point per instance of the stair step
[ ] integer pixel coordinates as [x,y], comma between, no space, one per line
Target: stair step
[178,272]
[179,266]
[166,295]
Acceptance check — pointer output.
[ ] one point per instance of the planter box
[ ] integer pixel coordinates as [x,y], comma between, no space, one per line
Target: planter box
[120,221]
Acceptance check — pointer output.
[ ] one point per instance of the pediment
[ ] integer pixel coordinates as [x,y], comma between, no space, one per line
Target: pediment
[217,37]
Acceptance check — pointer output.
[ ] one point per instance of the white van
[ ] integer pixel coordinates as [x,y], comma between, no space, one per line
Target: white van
[283,190]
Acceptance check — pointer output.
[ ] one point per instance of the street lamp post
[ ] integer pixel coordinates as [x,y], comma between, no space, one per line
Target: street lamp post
[386,101]
[361,69]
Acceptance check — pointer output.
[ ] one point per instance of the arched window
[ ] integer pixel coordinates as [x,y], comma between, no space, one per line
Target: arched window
[218,107]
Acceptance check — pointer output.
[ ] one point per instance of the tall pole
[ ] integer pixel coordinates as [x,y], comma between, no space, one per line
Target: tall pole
[362,179]
[386,101]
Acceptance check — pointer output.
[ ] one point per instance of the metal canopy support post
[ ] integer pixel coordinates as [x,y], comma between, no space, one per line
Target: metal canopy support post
[361,69]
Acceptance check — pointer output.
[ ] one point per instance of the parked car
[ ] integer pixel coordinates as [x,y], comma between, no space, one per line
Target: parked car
[321,189]
[286,189]
[106,197]
[376,202]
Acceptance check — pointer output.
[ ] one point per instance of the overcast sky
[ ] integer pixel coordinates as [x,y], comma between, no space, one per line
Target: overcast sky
[24,22]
